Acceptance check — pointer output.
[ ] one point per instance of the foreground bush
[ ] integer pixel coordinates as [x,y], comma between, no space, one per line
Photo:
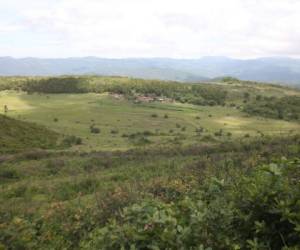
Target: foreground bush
[190,197]
[261,210]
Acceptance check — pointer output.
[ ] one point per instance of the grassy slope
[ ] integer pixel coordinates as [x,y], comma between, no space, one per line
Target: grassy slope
[83,190]
[18,135]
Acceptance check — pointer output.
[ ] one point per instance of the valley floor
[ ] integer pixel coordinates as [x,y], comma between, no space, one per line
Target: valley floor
[122,122]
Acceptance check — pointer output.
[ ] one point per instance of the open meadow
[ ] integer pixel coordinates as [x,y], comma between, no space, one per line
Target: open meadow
[120,121]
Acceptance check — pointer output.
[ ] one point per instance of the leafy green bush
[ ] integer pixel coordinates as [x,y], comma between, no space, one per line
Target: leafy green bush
[259,211]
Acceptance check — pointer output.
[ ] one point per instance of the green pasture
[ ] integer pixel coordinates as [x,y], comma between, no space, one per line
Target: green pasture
[73,114]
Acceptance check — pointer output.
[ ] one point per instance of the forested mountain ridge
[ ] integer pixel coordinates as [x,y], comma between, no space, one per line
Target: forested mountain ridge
[276,70]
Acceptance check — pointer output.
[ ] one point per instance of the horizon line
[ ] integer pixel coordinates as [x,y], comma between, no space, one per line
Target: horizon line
[149,58]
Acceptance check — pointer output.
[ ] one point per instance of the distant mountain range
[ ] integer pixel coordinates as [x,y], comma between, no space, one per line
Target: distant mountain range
[277,70]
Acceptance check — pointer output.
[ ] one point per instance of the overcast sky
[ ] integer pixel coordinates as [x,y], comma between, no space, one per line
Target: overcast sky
[150,28]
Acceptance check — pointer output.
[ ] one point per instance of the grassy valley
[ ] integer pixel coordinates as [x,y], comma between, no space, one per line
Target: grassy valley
[124,110]
[121,163]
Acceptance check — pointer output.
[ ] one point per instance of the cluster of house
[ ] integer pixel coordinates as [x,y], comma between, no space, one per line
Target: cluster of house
[143,98]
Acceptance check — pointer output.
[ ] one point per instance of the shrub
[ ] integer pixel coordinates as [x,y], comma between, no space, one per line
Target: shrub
[246,95]
[95,130]
[54,166]
[114,131]
[72,140]
[257,211]
[199,130]
[147,133]
[258,97]
[34,155]
[142,140]
[219,133]
[208,138]
[6,173]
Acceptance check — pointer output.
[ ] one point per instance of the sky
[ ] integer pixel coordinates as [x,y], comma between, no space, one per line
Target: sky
[150,28]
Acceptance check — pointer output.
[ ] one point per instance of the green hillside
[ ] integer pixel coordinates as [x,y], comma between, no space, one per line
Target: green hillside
[18,135]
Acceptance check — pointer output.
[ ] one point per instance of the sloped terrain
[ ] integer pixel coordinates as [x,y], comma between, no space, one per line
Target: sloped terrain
[152,164]
[19,135]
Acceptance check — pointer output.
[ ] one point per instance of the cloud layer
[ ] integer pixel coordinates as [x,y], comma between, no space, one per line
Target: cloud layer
[156,28]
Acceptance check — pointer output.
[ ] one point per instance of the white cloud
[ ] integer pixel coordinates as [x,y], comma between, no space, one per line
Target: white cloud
[156,28]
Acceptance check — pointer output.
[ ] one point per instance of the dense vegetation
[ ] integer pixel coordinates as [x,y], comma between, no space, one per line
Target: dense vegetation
[230,195]
[287,108]
[258,211]
[191,93]
[55,85]
[121,163]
